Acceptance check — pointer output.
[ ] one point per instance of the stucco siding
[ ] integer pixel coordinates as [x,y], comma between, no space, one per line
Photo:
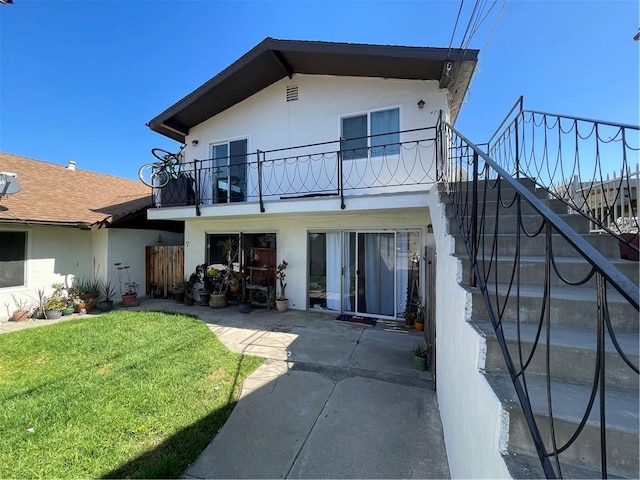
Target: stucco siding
[270,122]
[291,231]
[57,255]
[471,414]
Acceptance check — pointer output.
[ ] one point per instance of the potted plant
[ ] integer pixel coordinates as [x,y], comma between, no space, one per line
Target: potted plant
[409,318]
[282,303]
[108,291]
[201,281]
[188,297]
[421,354]
[178,293]
[219,286]
[55,303]
[69,306]
[419,316]
[130,291]
[244,300]
[21,313]
[220,278]
[185,289]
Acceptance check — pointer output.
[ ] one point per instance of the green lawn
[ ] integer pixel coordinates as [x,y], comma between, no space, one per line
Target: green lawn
[127,394]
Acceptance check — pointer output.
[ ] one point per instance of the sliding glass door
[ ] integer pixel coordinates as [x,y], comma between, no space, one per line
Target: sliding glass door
[364,273]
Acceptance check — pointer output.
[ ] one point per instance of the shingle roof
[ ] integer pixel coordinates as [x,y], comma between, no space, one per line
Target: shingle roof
[54,194]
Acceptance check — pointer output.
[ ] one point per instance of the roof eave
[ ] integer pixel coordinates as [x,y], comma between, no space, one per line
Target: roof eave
[457,78]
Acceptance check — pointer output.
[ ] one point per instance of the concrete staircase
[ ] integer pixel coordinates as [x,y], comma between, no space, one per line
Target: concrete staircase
[572,349]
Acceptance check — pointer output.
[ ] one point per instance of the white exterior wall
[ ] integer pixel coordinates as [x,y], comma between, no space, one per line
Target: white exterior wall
[471,414]
[270,122]
[291,239]
[127,246]
[57,255]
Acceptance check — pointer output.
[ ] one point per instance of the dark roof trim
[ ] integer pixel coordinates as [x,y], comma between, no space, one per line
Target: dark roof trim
[272,60]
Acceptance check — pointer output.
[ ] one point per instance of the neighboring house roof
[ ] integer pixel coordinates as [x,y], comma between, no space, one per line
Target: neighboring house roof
[57,195]
[272,60]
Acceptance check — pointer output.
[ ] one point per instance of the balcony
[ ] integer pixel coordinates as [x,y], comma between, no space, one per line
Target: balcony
[337,169]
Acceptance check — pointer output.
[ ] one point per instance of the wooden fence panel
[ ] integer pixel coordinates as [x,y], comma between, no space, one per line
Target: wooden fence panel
[164,268]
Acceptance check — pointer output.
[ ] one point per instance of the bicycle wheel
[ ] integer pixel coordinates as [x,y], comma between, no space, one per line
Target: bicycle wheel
[164,156]
[153,175]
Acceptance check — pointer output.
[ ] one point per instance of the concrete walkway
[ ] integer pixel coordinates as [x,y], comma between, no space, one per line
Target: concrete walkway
[333,400]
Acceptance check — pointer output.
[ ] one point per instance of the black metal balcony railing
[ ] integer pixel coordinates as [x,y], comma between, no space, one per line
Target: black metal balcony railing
[471,177]
[315,170]
[590,165]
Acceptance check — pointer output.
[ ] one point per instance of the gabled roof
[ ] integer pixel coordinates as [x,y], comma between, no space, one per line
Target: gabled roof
[56,195]
[272,60]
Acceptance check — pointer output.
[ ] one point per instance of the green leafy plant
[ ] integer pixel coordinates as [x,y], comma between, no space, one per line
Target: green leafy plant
[57,300]
[281,274]
[422,349]
[109,291]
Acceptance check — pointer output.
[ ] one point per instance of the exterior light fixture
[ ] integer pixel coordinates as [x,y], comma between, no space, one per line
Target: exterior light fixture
[194,142]
[420,104]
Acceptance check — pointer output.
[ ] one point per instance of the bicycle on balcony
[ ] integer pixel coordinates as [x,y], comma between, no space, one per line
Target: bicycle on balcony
[158,174]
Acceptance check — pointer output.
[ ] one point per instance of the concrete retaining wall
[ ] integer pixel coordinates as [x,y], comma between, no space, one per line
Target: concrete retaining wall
[470,411]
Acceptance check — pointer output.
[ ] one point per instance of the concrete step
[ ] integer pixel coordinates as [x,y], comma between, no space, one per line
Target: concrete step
[506,244]
[532,269]
[572,356]
[492,189]
[570,307]
[509,207]
[569,402]
[508,223]
[527,467]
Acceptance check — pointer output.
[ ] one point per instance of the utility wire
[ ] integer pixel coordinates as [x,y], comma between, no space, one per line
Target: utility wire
[480,22]
[493,29]
[455,26]
[473,13]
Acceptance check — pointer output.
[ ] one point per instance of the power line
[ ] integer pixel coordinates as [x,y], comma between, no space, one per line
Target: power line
[478,24]
[455,26]
[493,29]
[473,13]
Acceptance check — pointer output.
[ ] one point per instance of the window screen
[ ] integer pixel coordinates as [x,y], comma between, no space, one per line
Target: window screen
[13,255]
[354,135]
[385,136]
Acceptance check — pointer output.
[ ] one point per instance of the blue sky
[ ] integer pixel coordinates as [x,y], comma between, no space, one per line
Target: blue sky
[79,79]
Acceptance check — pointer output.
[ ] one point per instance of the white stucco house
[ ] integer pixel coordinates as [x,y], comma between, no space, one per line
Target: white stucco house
[321,154]
[67,222]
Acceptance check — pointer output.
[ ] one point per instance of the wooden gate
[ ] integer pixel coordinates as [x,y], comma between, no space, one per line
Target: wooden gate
[164,268]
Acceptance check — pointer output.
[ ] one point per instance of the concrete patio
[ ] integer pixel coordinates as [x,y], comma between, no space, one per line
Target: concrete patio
[332,400]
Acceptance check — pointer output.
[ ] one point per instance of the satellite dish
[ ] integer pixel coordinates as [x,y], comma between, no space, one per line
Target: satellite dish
[8,184]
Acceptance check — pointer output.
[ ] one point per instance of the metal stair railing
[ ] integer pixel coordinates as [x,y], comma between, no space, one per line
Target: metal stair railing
[470,176]
[591,165]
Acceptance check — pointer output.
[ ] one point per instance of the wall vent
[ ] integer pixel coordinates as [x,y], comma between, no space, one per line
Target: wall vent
[292,93]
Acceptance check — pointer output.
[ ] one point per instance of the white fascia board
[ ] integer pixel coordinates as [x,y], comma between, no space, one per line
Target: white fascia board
[299,205]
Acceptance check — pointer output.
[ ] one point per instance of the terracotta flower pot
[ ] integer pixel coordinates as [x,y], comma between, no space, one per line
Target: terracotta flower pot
[20,315]
[282,305]
[129,300]
[419,326]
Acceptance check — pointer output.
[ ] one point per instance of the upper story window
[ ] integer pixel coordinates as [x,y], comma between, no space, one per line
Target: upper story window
[13,258]
[376,132]
[229,171]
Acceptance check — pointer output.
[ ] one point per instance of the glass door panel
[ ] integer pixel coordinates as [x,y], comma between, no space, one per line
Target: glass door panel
[370,273]
[364,273]
[325,271]
[238,170]
[220,172]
